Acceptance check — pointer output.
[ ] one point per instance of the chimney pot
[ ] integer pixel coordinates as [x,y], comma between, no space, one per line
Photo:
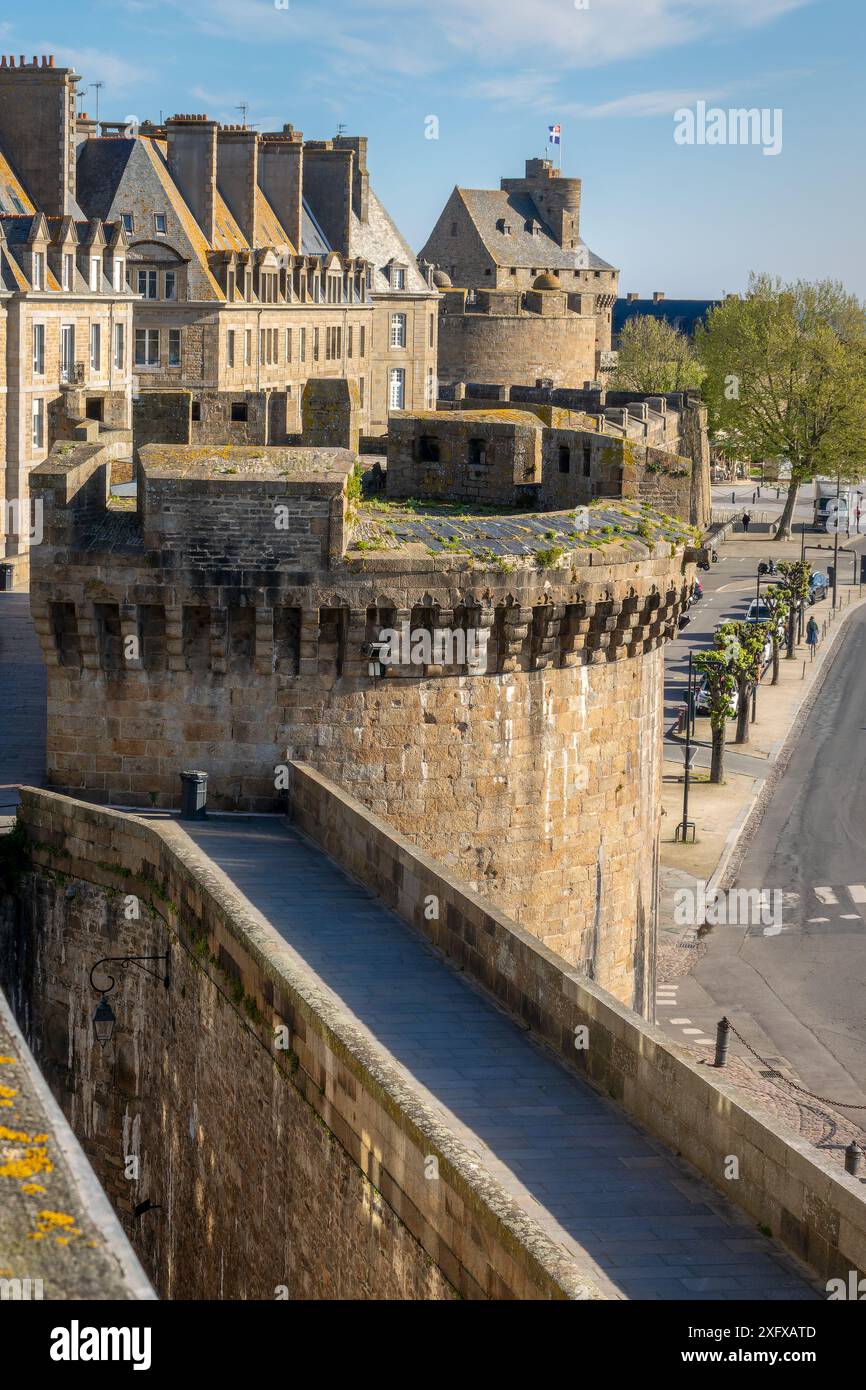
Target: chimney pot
[658,296]
[51,60]
[21,62]
[632,296]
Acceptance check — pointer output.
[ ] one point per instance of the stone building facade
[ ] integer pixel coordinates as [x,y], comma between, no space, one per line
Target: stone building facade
[66,361]
[504,240]
[262,260]
[231,624]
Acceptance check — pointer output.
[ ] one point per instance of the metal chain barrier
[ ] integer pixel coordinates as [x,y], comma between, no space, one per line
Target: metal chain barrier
[774,1072]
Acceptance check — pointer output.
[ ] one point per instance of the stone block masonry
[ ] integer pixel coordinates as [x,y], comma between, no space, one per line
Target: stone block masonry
[299,1171]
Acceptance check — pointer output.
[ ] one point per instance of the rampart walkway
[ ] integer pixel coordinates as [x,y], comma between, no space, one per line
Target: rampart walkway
[632,1215]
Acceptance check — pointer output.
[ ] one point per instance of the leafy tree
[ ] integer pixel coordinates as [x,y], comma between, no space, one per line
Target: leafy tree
[795,586]
[742,645]
[786,379]
[654,357]
[714,668]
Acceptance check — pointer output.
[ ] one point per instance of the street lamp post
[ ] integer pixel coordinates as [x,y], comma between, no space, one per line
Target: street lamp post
[682,830]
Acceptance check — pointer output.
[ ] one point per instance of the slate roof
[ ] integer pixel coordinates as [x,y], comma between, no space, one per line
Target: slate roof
[379,241]
[487,206]
[100,166]
[313,239]
[682,314]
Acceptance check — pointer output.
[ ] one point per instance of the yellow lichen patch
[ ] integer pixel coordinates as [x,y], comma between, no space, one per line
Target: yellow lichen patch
[33,1160]
[15,1136]
[31,1188]
[7,1059]
[56,1223]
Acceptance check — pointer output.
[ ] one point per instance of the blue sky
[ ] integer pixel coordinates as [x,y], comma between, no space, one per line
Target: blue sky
[689,220]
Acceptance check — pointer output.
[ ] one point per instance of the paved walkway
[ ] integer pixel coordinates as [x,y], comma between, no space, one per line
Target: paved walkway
[597,1184]
[22,701]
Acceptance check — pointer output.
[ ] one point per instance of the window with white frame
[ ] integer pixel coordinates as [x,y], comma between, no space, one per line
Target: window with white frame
[174,347]
[147,347]
[248,347]
[398,330]
[128,222]
[119,346]
[170,286]
[95,272]
[159,223]
[349,335]
[95,348]
[39,349]
[38,417]
[118,271]
[288,345]
[67,351]
[431,388]
[363,344]
[230,348]
[39,270]
[67,272]
[302,347]
[399,278]
[396,388]
[147,283]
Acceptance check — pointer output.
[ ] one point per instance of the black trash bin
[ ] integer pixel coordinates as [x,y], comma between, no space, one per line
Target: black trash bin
[193,795]
[6,573]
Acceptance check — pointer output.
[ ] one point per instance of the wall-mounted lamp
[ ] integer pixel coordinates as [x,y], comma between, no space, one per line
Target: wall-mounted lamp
[103,1015]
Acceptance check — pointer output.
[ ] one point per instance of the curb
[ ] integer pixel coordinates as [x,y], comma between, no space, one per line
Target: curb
[752,815]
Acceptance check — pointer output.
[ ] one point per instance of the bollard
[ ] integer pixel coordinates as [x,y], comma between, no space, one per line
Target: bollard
[803,677]
[853,1158]
[723,1032]
[193,795]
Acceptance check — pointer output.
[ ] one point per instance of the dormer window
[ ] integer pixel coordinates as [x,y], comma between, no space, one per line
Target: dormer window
[68,266]
[118,270]
[15,200]
[95,272]
[503,226]
[230,286]
[39,270]
[398,277]
[159,223]
[128,222]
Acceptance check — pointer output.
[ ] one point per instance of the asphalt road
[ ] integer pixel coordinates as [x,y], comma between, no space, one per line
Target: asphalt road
[797,993]
[805,986]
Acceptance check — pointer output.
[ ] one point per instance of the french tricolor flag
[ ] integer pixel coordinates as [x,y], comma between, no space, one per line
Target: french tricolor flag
[553,134]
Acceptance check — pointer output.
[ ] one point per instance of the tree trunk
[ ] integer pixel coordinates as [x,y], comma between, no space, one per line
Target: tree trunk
[792,618]
[783,531]
[717,759]
[775,680]
[743,694]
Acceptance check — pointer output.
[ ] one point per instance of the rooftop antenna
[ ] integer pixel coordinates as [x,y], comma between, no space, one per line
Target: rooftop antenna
[243,107]
[341,130]
[97,87]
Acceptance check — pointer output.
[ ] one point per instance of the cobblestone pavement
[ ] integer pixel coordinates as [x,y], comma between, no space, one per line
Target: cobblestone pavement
[637,1219]
[22,701]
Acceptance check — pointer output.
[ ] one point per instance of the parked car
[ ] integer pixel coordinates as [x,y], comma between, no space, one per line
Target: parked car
[819,586]
[702,700]
[759,612]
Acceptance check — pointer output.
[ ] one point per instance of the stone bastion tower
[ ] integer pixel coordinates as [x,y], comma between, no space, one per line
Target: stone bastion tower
[230,623]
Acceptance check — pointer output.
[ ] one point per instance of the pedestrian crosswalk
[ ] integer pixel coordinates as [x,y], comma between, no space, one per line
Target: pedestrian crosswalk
[831,907]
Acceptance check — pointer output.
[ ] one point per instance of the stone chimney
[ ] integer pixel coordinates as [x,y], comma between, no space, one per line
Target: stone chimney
[192,159]
[360,176]
[238,175]
[281,172]
[658,296]
[37,129]
[328,180]
[632,297]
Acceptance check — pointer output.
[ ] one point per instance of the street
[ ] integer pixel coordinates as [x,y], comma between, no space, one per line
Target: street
[795,993]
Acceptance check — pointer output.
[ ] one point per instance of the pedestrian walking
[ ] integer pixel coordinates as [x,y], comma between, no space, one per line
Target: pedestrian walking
[857,515]
[746,520]
[811,633]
